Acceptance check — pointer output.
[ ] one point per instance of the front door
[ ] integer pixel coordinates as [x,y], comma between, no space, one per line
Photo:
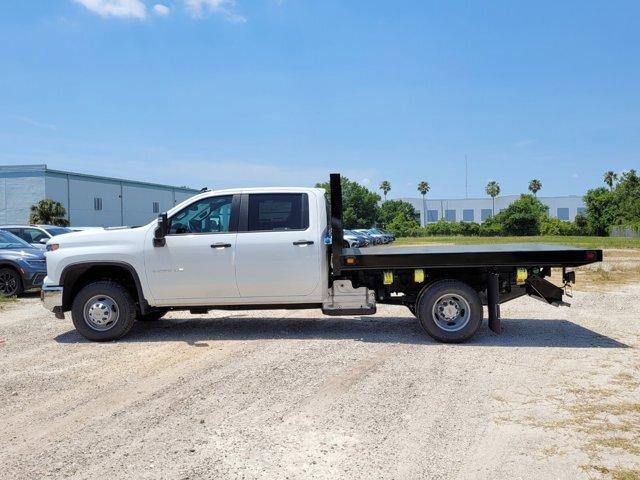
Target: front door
[279,254]
[197,264]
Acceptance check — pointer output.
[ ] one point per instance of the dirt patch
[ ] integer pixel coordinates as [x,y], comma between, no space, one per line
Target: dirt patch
[262,395]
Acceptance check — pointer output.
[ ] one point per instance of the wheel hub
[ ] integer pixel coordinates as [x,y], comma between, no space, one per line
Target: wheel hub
[8,284]
[451,312]
[101,312]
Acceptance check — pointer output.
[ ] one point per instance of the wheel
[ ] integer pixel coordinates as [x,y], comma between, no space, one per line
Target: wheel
[450,311]
[152,315]
[10,282]
[103,311]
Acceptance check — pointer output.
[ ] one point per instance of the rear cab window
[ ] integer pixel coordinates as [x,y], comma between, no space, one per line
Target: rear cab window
[277,212]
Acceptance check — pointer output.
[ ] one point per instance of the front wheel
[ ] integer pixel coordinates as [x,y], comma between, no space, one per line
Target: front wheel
[450,311]
[103,311]
[10,282]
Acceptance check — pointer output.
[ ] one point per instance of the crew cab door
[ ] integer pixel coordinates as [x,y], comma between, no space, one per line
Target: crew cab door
[197,263]
[279,251]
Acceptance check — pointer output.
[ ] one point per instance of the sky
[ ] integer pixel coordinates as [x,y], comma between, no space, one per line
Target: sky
[225,93]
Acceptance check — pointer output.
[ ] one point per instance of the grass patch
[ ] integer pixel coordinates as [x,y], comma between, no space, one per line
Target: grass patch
[585,242]
[614,473]
[5,300]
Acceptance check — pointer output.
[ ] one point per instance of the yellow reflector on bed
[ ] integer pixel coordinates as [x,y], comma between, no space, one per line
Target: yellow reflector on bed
[418,275]
[387,277]
[521,275]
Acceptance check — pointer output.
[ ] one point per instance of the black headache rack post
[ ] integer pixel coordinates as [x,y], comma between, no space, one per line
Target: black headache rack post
[336,224]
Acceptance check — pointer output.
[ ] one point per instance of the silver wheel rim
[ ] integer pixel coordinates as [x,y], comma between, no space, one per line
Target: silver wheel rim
[451,312]
[8,283]
[101,312]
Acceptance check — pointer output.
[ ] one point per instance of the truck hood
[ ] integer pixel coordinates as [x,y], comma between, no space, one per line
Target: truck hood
[99,237]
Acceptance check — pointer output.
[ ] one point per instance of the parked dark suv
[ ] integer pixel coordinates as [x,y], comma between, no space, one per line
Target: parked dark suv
[22,267]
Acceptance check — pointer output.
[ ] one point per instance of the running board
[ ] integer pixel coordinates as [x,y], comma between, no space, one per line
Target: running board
[541,289]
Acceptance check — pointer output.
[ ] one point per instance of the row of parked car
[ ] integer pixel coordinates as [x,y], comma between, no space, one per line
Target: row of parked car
[365,237]
[22,263]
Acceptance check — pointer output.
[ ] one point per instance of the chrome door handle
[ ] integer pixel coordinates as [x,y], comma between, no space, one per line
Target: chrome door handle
[220,245]
[303,242]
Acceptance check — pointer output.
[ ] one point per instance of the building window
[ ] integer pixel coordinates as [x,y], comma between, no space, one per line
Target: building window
[450,215]
[97,203]
[563,213]
[485,214]
[432,216]
[156,207]
[467,215]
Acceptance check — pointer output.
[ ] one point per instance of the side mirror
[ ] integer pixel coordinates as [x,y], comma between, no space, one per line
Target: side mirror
[161,231]
[44,240]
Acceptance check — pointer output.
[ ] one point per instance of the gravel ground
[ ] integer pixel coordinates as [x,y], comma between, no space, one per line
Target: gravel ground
[294,394]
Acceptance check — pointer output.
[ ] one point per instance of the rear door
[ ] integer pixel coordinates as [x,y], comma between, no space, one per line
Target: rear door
[278,251]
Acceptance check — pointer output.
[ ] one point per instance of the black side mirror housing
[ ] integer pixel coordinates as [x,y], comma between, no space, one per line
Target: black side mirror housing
[161,231]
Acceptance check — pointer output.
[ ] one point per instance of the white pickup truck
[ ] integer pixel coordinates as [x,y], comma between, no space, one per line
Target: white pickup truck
[266,248]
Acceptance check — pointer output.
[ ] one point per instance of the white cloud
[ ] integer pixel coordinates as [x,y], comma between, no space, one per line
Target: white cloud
[200,8]
[35,123]
[116,8]
[526,142]
[161,10]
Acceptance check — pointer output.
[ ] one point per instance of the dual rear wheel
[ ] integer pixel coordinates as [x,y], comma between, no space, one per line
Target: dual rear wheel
[449,311]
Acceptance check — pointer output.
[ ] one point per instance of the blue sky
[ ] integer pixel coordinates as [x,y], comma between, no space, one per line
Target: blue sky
[281,92]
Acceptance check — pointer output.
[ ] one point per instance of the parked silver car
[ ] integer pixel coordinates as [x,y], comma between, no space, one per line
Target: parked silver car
[36,235]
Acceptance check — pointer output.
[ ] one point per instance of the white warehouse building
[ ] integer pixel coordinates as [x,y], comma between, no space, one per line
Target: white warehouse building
[89,200]
[479,209]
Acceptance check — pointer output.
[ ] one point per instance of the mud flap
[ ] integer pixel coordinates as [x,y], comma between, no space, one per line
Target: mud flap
[493,299]
[546,291]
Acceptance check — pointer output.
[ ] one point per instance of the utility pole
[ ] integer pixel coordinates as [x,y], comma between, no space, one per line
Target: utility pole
[466,177]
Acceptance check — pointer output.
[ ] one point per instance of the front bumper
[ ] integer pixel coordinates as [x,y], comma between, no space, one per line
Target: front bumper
[52,299]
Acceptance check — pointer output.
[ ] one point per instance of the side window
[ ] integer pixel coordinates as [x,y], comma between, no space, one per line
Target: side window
[278,211]
[16,231]
[209,215]
[33,235]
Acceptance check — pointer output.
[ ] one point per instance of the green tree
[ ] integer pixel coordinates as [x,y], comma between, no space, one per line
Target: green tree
[493,190]
[610,178]
[535,186]
[49,212]
[601,210]
[402,226]
[385,186]
[627,199]
[423,188]
[390,209]
[522,217]
[359,204]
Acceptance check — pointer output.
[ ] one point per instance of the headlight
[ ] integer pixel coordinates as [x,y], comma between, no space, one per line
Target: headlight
[52,247]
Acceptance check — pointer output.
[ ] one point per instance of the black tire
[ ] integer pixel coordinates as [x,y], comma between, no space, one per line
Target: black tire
[10,282]
[105,293]
[456,296]
[152,315]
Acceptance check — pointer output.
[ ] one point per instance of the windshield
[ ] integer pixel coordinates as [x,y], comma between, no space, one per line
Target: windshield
[10,241]
[53,231]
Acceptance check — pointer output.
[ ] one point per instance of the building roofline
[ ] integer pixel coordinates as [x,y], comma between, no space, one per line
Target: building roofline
[510,196]
[43,168]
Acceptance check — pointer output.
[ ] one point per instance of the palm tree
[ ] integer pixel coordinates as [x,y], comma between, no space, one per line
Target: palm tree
[535,186]
[610,178]
[49,212]
[493,190]
[385,186]
[423,188]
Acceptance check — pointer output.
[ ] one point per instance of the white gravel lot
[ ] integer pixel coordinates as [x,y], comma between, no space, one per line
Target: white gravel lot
[294,394]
